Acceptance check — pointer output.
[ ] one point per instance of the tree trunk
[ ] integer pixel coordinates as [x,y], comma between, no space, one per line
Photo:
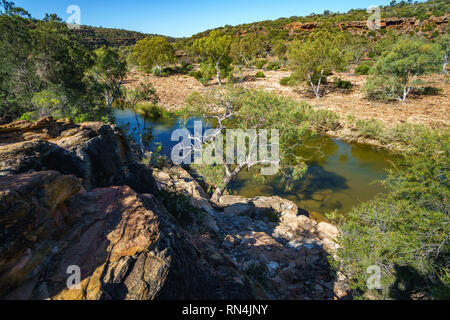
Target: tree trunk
[444,69]
[218,74]
[226,181]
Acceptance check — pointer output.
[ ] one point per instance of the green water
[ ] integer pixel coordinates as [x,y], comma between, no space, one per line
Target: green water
[340,175]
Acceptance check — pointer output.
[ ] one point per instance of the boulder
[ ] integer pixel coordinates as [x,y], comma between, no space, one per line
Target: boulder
[95,152]
[126,245]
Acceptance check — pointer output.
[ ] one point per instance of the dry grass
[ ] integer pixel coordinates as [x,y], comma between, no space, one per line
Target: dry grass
[433,111]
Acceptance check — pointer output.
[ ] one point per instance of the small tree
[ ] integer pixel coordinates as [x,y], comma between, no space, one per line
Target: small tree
[254,110]
[323,52]
[153,52]
[216,50]
[396,72]
[109,71]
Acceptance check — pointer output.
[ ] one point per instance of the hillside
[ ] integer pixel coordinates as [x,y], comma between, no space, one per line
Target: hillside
[95,37]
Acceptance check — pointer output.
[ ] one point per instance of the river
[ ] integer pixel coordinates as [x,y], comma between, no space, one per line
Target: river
[340,176]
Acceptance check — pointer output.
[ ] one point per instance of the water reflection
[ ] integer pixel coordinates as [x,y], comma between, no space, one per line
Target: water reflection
[339,177]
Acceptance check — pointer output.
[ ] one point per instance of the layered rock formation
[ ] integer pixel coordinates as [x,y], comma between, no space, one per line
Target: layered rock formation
[402,24]
[74,197]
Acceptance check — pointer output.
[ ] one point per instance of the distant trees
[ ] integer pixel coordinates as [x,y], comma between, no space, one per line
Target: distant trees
[398,70]
[108,71]
[323,52]
[215,50]
[42,62]
[245,50]
[153,52]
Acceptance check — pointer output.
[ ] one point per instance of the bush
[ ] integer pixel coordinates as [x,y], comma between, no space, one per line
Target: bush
[287,81]
[179,205]
[364,68]
[342,84]
[273,66]
[371,128]
[260,74]
[152,111]
[260,64]
[404,233]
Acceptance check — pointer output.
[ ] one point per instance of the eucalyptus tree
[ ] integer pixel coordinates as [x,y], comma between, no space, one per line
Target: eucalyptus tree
[215,50]
[397,72]
[323,52]
[109,71]
[248,117]
[153,52]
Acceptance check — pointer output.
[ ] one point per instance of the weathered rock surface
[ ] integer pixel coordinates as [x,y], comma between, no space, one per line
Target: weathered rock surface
[401,24]
[269,239]
[126,245]
[74,196]
[94,152]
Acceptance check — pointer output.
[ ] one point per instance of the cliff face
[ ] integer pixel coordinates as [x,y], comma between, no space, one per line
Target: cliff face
[74,196]
[404,25]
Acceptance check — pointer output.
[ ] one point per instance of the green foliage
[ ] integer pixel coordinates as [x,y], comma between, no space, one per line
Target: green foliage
[153,52]
[343,84]
[287,81]
[108,73]
[364,67]
[260,64]
[323,52]
[274,66]
[258,272]
[244,50]
[181,208]
[272,215]
[372,128]
[406,233]
[152,111]
[260,74]
[38,56]
[397,70]
[215,50]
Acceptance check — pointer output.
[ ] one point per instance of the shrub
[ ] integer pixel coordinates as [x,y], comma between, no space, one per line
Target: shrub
[179,205]
[151,111]
[287,81]
[343,84]
[260,64]
[371,128]
[364,67]
[260,74]
[404,233]
[273,66]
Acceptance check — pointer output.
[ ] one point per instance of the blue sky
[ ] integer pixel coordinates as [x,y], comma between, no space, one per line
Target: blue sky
[180,18]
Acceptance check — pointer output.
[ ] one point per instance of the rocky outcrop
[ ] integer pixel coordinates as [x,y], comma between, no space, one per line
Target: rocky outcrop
[269,239]
[126,245]
[94,152]
[74,198]
[401,24]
